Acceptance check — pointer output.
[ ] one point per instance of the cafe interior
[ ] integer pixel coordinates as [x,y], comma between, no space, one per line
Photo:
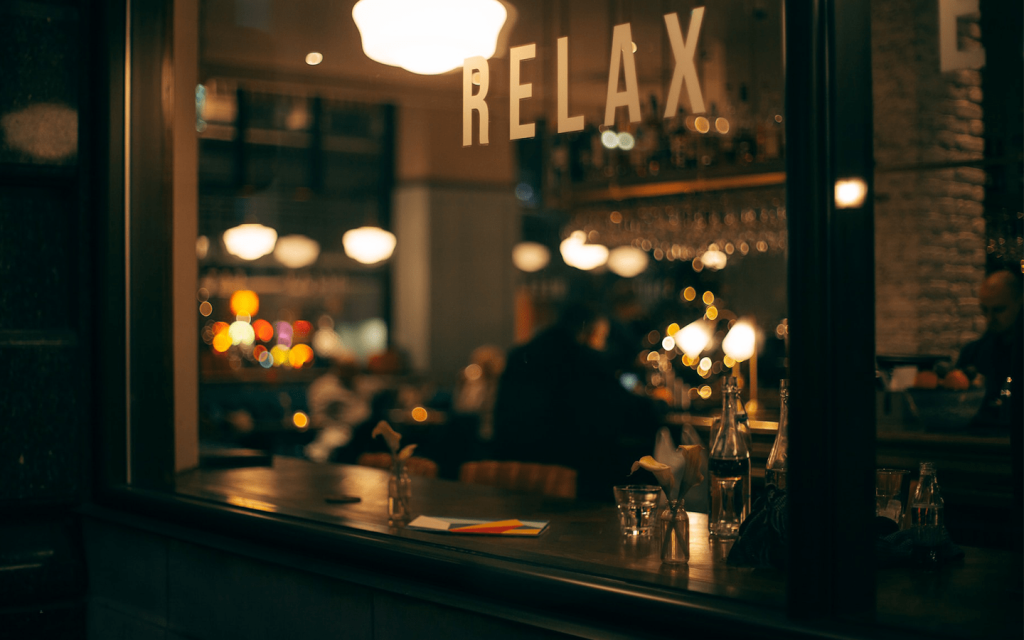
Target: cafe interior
[526,318]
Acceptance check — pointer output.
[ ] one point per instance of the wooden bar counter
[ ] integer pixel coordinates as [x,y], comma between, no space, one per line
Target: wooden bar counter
[582,546]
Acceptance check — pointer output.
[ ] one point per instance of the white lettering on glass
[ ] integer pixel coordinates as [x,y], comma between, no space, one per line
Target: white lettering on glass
[518,92]
[951,56]
[565,122]
[622,50]
[470,102]
[684,54]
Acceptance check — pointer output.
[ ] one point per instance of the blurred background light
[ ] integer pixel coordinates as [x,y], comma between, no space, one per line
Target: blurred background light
[850,193]
[368,245]
[577,253]
[530,256]
[692,338]
[296,251]
[740,342]
[627,262]
[250,241]
[244,303]
[428,36]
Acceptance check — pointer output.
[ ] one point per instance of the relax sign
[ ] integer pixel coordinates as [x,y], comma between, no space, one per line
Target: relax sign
[622,62]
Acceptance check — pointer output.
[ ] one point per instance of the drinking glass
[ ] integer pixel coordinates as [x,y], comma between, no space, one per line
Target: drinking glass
[637,505]
[888,485]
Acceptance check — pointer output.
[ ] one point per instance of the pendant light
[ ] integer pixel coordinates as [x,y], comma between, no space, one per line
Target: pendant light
[368,245]
[428,36]
[250,241]
[530,256]
[627,262]
[577,253]
[296,251]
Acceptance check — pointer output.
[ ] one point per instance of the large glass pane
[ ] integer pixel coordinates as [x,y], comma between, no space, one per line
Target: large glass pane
[574,291]
[948,224]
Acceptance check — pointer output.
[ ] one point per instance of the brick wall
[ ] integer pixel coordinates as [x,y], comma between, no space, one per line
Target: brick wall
[929,223]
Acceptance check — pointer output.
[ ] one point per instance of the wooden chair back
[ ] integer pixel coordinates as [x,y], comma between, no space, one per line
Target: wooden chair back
[528,477]
[423,467]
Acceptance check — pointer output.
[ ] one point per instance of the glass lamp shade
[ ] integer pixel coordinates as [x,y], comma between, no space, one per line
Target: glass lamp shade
[250,241]
[368,245]
[577,253]
[428,37]
[530,256]
[740,343]
[296,251]
[627,262]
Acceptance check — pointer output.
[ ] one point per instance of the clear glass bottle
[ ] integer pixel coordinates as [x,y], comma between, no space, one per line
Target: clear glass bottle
[729,469]
[675,533]
[927,516]
[399,497]
[778,459]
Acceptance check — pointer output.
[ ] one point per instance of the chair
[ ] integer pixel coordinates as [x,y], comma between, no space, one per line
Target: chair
[423,467]
[528,477]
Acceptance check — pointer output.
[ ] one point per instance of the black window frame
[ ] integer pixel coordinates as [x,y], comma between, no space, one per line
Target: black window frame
[831,580]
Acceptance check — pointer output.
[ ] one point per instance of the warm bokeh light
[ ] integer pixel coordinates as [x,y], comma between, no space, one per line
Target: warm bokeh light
[577,253]
[302,329]
[300,420]
[672,329]
[850,193]
[705,392]
[284,333]
[609,139]
[626,141]
[279,354]
[693,338]
[615,217]
[314,58]
[258,351]
[740,342]
[428,36]
[202,247]
[530,256]
[419,414]
[368,245]
[668,343]
[711,312]
[250,241]
[205,309]
[698,266]
[473,372]
[221,342]
[263,329]
[714,260]
[702,124]
[627,262]
[708,297]
[704,364]
[296,251]
[729,362]
[687,360]
[244,303]
[325,343]
[689,293]
[300,354]
[241,333]
[721,125]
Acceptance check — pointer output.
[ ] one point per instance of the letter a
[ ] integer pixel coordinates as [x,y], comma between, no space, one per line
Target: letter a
[622,49]
[471,102]
[684,52]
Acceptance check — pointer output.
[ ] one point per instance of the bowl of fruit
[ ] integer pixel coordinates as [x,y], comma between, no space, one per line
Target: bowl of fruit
[945,400]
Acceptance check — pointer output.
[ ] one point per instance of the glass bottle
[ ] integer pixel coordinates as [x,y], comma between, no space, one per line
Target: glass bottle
[778,459]
[927,516]
[399,496]
[729,469]
[675,533]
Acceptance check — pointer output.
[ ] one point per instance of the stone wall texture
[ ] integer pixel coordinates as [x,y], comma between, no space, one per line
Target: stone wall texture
[929,215]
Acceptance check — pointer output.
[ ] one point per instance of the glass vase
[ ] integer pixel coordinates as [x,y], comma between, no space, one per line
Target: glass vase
[675,533]
[399,497]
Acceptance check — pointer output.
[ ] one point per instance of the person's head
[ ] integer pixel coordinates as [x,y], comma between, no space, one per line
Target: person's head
[586,323]
[1000,297]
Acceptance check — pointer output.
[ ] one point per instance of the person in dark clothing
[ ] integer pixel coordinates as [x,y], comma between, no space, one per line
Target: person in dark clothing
[559,402]
[997,355]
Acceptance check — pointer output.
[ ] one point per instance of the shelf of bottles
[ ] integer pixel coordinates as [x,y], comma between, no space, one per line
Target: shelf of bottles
[678,155]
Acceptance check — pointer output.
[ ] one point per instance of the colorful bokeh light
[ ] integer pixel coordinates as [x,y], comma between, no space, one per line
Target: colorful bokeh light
[264,330]
[244,303]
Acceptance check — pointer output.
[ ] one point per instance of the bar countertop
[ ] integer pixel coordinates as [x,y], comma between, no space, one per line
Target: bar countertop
[980,592]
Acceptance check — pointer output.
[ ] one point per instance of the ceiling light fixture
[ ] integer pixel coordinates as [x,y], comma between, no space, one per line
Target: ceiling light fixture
[250,241]
[627,262]
[428,36]
[577,253]
[369,245]
[530,256]
[296,251]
